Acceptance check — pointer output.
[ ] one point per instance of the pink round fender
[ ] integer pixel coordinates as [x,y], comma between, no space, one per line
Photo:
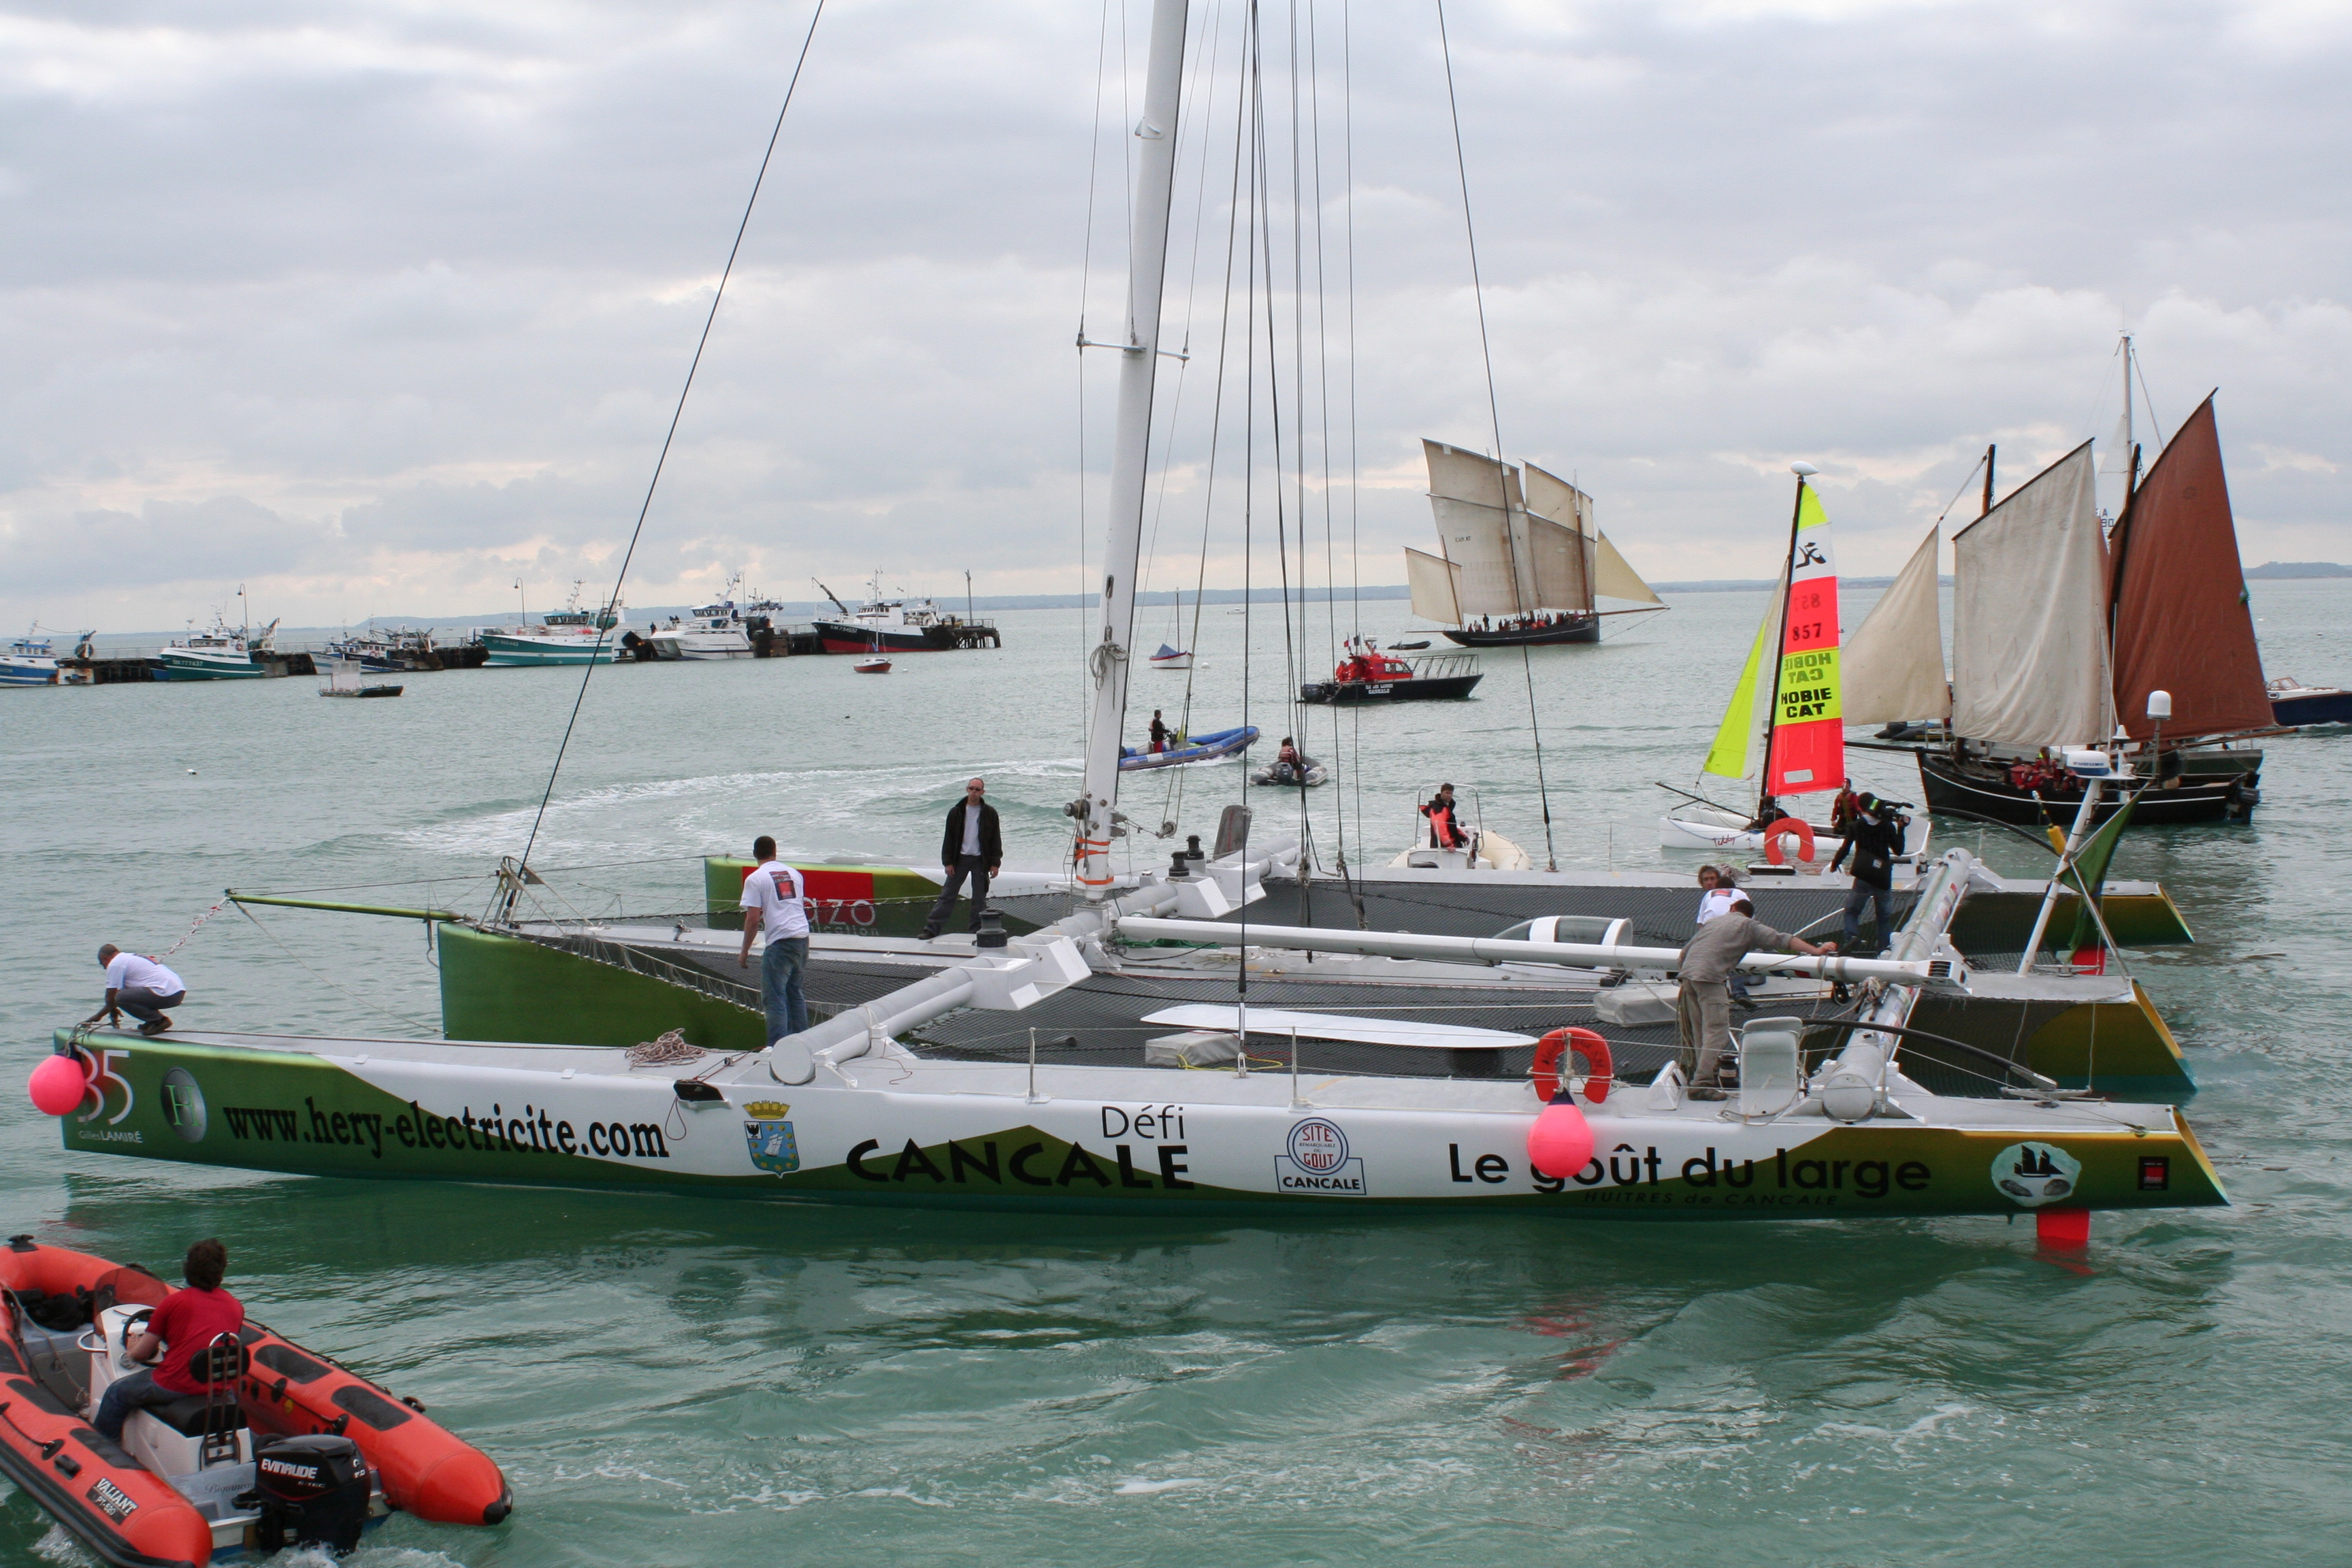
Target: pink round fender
[1560,1143]
[58,1086]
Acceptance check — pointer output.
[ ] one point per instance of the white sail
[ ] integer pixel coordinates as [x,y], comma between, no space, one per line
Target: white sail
[1432,582]
[1612,579]
[2029,615]
[1550,496]
[1487,578]
[1514,554]
[1561,561]
[1894,665]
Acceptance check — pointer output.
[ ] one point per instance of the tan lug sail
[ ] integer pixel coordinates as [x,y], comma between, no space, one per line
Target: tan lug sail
[1894,665]
[2029,615]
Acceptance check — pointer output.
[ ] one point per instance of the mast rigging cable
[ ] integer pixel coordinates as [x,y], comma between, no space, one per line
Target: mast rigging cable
[612,603]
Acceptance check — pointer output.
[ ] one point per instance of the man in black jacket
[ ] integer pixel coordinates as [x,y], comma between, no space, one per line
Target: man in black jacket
[971,848]
[1874,838]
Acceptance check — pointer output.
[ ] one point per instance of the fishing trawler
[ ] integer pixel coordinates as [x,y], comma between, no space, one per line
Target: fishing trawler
[32,659]
[219,654]
[568,636]
[899,625]
[1520,560]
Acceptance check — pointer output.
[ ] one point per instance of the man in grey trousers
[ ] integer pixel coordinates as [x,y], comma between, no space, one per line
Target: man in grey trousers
[1703,1005]
[972,847]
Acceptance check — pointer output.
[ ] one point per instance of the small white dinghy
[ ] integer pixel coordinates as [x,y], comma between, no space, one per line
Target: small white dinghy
[1171,659]
[1693,827]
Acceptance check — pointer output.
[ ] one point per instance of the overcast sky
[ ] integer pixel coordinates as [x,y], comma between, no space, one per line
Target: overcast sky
[378,307]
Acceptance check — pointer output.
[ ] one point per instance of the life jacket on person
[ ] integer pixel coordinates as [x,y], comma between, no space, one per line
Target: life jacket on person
[1442,833]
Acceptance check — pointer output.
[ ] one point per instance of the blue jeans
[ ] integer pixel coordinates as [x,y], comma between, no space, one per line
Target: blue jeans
[1865,894]
[125,1394]
[779,986]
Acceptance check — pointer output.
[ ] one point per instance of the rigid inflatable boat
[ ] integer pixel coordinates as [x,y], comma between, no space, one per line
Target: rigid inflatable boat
[295,1448]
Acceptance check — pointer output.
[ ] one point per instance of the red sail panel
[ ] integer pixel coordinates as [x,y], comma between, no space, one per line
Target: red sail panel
[2182,624]
[1808,722]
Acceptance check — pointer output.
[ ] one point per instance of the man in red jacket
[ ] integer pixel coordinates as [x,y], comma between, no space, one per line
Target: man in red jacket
[185,1325]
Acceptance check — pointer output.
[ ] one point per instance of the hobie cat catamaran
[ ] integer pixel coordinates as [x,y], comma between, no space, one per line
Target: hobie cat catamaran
[1230,1110]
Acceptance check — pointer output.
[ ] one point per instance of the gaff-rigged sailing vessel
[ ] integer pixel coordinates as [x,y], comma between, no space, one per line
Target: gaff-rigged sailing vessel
[2060,635]
[1520,559]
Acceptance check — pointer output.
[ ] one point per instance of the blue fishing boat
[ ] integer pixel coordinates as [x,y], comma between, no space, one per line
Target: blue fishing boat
[1205,748]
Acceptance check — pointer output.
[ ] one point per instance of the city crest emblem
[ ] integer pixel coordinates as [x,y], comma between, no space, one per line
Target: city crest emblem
[770,1137]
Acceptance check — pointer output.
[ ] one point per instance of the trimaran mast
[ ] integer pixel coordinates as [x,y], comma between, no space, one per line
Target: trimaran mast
[1138,370]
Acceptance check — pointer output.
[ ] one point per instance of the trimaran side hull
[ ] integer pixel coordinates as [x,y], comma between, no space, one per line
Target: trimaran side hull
[887,1128]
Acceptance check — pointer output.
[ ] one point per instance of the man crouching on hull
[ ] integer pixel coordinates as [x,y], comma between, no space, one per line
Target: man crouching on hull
[1703,1005]
[138,986]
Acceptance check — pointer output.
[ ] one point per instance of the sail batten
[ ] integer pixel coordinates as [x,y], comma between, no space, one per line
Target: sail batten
[1894,663]
[2181,621]
[2029,615]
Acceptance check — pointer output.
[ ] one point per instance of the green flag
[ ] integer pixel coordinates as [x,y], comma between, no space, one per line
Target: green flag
[2091,874]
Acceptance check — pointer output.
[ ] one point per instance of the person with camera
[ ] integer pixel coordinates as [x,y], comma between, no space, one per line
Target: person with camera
[1875,840]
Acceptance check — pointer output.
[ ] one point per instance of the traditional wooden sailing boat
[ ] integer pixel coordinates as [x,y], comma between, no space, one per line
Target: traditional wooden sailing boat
[2061,636]
[1520,559]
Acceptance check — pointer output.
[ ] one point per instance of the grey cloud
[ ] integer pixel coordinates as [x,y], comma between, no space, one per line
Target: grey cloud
[435,274]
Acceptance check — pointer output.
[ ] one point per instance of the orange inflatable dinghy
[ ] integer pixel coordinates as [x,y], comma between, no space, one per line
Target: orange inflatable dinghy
[293,1431]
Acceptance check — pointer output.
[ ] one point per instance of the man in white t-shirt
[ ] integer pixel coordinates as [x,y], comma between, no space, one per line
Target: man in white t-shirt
[774,902]
[138,986]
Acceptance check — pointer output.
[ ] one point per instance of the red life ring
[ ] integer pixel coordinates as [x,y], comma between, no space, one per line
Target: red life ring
[1573,1043]
[1796,825]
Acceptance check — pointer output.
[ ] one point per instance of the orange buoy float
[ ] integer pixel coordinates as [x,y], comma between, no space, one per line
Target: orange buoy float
[121,1510]
[1796,825]
[1588,1057]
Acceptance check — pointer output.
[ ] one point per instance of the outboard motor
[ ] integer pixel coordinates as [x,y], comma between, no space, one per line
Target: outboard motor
[313,1491]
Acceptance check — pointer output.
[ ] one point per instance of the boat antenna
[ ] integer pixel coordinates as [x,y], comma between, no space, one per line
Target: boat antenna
[611,605]
[1495,415]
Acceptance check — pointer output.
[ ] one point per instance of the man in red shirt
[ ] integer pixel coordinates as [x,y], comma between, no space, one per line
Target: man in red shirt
[186,1324]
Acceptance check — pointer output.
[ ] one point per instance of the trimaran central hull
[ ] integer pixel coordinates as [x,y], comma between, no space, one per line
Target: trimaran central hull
[892,1128]
[845,1112]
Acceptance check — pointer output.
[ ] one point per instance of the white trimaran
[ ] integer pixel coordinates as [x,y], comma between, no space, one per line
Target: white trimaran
[849,1111]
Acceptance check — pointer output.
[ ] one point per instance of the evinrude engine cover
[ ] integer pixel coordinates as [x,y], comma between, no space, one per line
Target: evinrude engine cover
[313,1492]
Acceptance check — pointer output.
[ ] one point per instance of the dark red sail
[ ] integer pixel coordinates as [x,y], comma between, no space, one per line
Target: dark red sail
[2182,624]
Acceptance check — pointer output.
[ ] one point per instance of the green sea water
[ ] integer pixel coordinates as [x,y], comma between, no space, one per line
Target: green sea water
[683,1379]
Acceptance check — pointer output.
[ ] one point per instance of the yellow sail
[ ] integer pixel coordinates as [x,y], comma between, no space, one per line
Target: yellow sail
[1733,754]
